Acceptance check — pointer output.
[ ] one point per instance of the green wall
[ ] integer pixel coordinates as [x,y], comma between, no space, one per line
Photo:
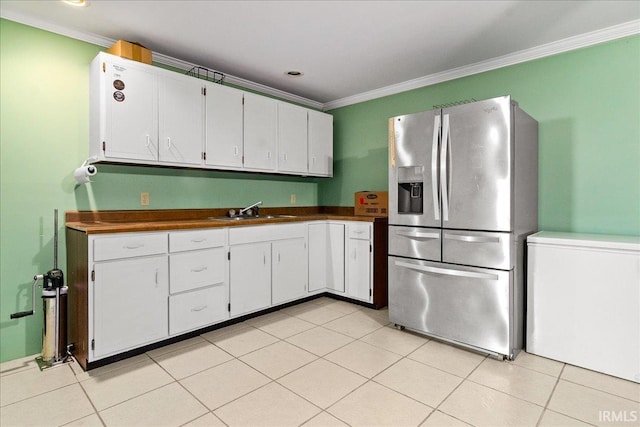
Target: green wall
[587,103]
[44,117]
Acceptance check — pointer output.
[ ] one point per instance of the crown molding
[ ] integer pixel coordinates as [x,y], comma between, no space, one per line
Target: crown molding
[157,57]
[553,48]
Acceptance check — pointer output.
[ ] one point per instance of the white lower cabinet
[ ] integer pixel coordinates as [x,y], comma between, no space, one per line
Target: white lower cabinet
[268,266]
[142,288]
[129,303]
[359,261]
[250,276]
[289,270]
[358,265]
[326,257]
[199,279]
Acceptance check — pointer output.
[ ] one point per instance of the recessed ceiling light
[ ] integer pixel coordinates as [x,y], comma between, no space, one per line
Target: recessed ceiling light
[294,73]
[77,3]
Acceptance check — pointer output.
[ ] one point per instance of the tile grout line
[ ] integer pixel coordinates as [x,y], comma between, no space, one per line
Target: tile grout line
[553,390]
[45,392]
[188,391]
[92,404]
[437,408]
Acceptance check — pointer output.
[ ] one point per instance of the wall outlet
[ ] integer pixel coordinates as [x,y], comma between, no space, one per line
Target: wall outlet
[293,199]
[144,199]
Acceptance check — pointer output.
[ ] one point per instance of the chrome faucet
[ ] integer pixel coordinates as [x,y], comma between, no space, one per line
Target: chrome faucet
[255,205]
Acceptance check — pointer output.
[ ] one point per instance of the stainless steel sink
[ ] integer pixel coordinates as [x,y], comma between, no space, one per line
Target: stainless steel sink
[245,218]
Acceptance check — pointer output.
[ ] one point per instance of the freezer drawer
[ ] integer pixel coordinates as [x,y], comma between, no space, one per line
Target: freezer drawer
[477,248]
[461,304]
[415,242]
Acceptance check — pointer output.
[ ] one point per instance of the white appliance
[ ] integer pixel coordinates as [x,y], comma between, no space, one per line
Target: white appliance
[583,301]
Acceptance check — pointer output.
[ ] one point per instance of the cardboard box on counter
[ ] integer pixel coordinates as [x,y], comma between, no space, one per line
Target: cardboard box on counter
[131,50]
[371,203]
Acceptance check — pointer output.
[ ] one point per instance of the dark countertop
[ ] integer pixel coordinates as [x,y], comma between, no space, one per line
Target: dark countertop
[99,222]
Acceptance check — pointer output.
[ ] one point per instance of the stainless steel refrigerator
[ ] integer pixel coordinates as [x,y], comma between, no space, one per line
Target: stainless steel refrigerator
[463,197]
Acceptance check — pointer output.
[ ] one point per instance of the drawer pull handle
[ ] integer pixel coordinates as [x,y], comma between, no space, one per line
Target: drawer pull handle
[133,246]
[447,271]
[198,269]
[472,239]
[418,235]
[199,308]
[204,239]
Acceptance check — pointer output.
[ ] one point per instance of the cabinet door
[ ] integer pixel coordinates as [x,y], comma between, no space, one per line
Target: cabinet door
[130,101]
[250,277]
[320,143]
[260,129]
[326,257]
[289,279]
[181,119]
[359,269]
[224,126]
[130,303]
[292,138]
[335,267]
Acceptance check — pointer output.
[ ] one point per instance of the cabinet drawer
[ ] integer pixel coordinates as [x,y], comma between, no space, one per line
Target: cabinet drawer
[480,248]
[129,245]
[196,309]
[198,239]
[415,242]
[191,270]
[359,230]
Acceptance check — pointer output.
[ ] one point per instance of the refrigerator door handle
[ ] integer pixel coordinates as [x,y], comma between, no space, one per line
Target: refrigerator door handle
[447,271]
[443,167]
[472,239]
[418,235]
[434,167]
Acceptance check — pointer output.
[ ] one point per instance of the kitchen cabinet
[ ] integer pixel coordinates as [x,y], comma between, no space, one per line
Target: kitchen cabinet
[123,110]
[181,118]
[320,143]
[224,125]
[348,259]
[260,132]
[199,279]
[326,256]
[268,266]
[358,260]
[289,270]
[129,288]
[141,114]
[250,276]
[292,138]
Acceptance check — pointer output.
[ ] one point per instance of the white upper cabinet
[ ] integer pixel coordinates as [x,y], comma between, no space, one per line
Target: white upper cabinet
[320,144]
[260,132]
[124,119]
[224,126]
[141,114]
[292,138]
[181,118]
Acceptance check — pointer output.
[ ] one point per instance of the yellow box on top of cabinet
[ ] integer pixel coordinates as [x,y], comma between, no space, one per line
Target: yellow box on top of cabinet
[131,50]
[371,203]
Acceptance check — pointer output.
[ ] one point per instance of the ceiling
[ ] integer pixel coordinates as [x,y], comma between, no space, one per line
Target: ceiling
[344,48]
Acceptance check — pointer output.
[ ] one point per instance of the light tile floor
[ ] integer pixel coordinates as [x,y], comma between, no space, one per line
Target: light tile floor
[320,363]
